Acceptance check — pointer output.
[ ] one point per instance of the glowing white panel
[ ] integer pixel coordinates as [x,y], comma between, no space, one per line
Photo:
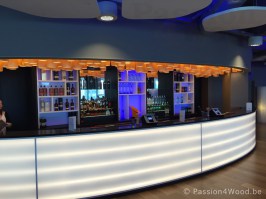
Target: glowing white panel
[55,8]
[17,169]
[226,140]
[235,18]
[92,165]
[158,9]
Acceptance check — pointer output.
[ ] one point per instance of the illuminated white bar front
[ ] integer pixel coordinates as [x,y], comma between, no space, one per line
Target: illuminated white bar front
[88,165]
[17,169]
[93,165]
[226,140]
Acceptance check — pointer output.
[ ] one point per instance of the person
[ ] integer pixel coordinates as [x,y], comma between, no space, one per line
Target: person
[4,117]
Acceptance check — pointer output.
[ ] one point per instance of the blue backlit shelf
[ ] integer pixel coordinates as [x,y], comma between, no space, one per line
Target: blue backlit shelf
[131,92]
[186,97]
[134,94]
[133,81]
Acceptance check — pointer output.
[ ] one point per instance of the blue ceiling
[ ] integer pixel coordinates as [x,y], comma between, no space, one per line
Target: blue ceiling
[214,7]
[196,18]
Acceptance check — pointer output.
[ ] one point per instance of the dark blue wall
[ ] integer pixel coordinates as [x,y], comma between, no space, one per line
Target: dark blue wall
[258,74]
[23,35]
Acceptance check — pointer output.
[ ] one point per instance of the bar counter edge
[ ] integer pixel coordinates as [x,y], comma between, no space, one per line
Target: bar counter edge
[118,127]
[99,164]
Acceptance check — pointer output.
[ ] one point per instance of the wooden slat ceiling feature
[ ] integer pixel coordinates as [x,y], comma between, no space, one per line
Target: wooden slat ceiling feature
[150,68]
[55,8]
[236,18]
[161,9]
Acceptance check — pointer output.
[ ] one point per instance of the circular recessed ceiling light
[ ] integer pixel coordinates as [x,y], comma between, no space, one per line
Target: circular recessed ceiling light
[107,18]
[255,41]
[108,11]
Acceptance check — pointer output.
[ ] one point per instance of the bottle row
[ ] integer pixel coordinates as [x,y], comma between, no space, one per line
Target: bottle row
[98,106]
[50,75]
[131,76]
[59,105]
[57,91]
[154,108]
[181,99]
[65,75]
[181,77]
[157,100]
[183,88]
[131,88]
[87,83]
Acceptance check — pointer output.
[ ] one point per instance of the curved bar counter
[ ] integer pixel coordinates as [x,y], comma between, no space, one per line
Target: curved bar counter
[97,164]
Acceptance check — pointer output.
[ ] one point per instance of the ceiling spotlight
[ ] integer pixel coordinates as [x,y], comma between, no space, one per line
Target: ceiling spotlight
[255,40]
[108,11]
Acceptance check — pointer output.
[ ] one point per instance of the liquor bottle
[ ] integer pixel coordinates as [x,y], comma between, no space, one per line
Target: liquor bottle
[81,83]
[56,91]
[182,99]
[42,106]
[178,77]
[40,91]
[99,83]
[68,89]
[61,90]
[67,105]
[182,77]
[47,106]
[139,90]
[105,85]
[188,78]
[56,75]
[64,75]
[72,105]
[107,112]
[166,110]
[108,84]
[72,90]
[60,104]
[70,75]
[56,107]
[177,100]
[119,76]
[51,91]
[175,77]
[189,88]
[84,84]
[44,91]
[177,88]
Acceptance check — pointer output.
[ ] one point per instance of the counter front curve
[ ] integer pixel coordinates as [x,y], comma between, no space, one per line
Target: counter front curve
[89,165]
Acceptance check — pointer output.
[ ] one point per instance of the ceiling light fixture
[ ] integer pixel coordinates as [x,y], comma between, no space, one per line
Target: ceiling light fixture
[255,41]
[108,11]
